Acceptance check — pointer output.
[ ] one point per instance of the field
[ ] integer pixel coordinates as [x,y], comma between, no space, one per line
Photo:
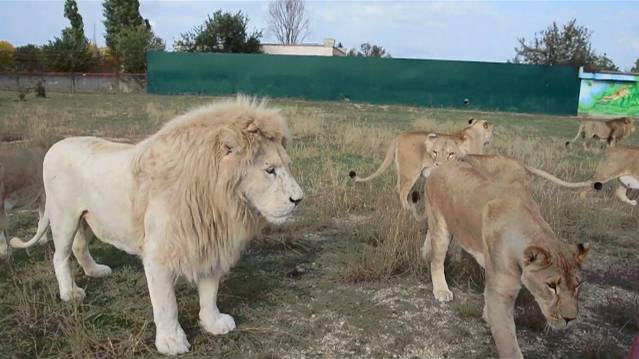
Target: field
[346,279]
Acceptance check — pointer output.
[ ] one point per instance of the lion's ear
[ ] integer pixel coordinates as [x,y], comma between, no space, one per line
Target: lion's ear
[429,140]
[230,140]
[486,125]
[581,251]
[536,256]
[471,121]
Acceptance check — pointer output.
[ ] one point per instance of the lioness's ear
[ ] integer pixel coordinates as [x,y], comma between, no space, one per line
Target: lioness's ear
[537,256]
[230,140]
[581,251]
[471,121]
[486,124]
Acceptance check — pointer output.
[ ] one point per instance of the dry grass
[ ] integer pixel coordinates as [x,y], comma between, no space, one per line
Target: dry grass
[374,240]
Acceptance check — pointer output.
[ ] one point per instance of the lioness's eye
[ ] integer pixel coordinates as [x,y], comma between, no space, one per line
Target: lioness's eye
[270,170]
[452,154]
[435,153]
[552,286]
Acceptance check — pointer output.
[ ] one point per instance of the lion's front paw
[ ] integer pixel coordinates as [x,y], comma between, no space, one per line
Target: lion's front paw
[443,295]
[73,294]
[100,270]
[222,324]
[172,342]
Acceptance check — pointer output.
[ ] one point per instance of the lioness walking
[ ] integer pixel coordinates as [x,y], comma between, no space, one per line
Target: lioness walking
[484,204]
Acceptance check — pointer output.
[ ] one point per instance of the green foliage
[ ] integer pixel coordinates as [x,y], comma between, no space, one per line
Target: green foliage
[225,32]
[71,12]
[132,45]
[28,58]
[566,45]
[636,67]
[6,55]
[120,15]
[368,50]
[70,52]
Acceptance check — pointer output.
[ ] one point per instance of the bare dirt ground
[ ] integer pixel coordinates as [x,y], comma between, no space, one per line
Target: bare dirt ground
[345,280]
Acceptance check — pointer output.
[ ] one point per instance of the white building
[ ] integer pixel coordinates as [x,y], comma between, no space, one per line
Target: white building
[326,49]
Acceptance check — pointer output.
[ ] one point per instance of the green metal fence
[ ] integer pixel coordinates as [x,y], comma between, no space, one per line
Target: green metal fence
[433,83]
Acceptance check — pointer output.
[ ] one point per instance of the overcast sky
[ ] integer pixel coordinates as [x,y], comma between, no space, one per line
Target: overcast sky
[481,31]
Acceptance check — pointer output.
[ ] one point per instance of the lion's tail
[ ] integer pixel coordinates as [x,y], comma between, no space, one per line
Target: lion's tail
[556,180]
[43,225]
[390,154]
[579,131]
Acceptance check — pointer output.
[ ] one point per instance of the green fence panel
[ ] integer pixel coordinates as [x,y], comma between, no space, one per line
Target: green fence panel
[432,83]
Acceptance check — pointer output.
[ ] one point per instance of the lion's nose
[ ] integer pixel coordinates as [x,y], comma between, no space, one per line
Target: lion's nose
[568,320]
[295,201]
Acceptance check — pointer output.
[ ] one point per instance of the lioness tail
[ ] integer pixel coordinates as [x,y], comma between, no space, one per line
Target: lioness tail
[556,180]
[581,128]
[390,154]
[43,225]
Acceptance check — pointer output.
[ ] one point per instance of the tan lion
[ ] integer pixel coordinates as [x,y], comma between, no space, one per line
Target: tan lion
[620,163]
[187,199]
[610,131]
[20,183]
[488,209]
[416,152]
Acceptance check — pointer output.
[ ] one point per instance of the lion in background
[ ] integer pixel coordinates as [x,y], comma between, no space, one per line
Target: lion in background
[416,152]
[484,203]
[610,131]
[620,163]
[21,184]
[187,199]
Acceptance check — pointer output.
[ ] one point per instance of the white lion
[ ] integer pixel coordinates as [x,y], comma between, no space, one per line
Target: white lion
[187,199]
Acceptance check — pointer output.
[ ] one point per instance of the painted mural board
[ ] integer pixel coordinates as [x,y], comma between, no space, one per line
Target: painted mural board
[604,95]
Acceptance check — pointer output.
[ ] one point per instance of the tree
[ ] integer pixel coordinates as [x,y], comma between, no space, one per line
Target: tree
[566,45]
[636,67]
[132,45]
[225,32]
[71,12]
[600,63]
[6,55]
[28,58]
[288,21]
[70,52]
[368,50]
[120,15]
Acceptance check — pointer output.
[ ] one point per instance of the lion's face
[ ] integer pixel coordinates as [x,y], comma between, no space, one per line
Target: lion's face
[484,128]
[554,280]
[269,186]
[443,148]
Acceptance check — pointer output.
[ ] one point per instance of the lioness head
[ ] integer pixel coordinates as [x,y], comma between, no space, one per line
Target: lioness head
[442,148]
[554,280]
[265,182]
[483,128]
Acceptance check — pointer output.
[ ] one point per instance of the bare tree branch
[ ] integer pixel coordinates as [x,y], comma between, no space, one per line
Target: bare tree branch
[288,21]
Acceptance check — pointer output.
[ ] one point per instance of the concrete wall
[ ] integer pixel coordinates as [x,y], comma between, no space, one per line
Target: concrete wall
[62,82]
[308,50]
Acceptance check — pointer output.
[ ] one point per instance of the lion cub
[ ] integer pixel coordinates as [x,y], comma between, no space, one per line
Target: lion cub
[415,152]
[484,203]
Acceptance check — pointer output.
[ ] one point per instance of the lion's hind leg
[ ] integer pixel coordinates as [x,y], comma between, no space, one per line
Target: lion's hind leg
[82,254]
[63,227]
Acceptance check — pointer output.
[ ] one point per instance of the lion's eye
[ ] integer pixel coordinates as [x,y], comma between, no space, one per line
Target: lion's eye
[270,170]
[451,155]
[552,285]
[435,153]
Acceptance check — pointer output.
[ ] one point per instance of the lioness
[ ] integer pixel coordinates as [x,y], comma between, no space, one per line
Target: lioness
[20,182]
[610,131]
[415,152]
[493,217]
[187,200]
[620,163]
